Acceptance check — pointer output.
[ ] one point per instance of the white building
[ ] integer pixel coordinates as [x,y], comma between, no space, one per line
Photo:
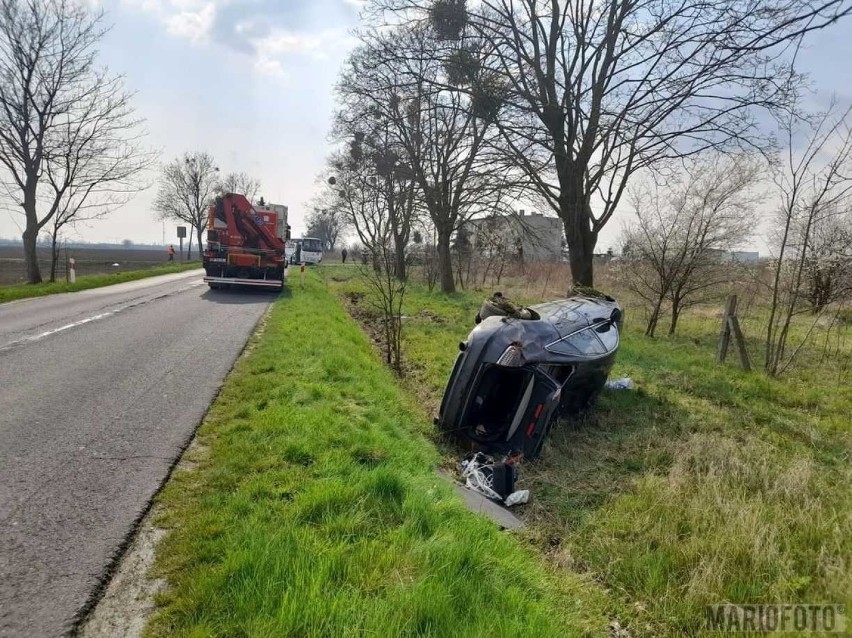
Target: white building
[745,256]
[532,237]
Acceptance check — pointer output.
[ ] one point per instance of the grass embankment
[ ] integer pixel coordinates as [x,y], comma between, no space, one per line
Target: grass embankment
[24,291]
[315,510]
[705,485]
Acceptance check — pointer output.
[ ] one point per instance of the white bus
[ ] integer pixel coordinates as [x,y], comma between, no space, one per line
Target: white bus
[307,250]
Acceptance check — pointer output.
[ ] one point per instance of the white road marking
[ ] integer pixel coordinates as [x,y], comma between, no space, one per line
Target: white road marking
[70,325]
[102,315]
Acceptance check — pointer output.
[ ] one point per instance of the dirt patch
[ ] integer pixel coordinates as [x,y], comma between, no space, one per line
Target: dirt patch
[354,297]
[428,315]
[366,316]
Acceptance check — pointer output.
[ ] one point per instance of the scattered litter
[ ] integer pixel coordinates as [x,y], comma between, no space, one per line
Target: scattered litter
[624,383]
[517,498]
[494,480]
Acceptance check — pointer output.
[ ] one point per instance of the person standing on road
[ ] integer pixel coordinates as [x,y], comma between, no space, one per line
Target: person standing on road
[171,251]
[343,254]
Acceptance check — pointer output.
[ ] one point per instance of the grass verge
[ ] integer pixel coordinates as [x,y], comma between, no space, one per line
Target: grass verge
[317,511]
[706,485]
[24,291]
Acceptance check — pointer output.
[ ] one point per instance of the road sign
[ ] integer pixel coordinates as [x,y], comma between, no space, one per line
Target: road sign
[181,230]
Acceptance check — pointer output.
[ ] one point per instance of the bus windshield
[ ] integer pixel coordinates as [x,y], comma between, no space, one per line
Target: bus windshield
[312,245]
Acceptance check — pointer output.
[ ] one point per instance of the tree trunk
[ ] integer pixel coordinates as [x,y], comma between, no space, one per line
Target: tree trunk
[54,257]
[675,317]
[399,267]
[31,256]
[655,317]
[581,246]
[445,262]
[200,231]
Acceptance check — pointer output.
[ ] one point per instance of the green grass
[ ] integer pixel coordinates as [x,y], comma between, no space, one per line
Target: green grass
[315,510]
[24,291]
[704,485]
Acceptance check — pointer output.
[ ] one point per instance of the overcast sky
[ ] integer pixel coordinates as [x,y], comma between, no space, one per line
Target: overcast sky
[250,81]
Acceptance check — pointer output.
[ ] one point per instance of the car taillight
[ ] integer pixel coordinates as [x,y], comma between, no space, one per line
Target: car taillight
[512,357]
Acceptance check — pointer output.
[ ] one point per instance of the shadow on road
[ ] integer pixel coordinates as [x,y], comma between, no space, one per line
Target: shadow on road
[244,295]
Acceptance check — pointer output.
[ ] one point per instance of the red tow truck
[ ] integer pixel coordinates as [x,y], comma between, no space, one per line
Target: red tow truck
[245,244]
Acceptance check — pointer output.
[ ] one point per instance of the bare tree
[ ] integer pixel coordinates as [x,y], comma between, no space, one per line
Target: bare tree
[366,199]
[439,136]
[326,224]
[814,181]
[371,165]
[494,242]
[685,229]
[427,251]
[87,199]
[373,132]
[241,183]
[69,141]
[597,91]
[188,186]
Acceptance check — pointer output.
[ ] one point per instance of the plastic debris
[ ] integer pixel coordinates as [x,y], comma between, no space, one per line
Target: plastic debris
[517,498]
[624,383]
[483,475]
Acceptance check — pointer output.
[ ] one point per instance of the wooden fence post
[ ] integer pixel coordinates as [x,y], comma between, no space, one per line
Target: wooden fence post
[731,326]
[725,334]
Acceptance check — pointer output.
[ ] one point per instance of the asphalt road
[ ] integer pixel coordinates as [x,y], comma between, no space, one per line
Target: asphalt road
[99,393]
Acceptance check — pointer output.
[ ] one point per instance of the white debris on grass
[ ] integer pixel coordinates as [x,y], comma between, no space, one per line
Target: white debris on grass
[624,383]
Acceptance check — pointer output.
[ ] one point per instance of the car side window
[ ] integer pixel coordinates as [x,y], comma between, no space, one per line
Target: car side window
[608,334]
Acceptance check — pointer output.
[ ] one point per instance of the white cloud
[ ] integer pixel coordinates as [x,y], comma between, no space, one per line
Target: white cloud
[195,26]
[257,28]
[268,66]
[316,44]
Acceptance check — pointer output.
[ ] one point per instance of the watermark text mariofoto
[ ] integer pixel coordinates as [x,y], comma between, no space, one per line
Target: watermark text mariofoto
[776,618]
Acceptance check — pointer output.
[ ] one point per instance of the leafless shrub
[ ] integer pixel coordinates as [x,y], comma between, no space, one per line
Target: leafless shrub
[814,182]
[678,250]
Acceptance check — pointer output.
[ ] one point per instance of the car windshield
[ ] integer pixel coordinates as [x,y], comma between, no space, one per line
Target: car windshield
[582,343]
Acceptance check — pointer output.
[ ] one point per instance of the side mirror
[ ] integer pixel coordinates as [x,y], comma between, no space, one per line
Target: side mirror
[287,234]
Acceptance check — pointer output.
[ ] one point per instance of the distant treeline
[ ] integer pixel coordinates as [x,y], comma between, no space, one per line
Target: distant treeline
[125,245]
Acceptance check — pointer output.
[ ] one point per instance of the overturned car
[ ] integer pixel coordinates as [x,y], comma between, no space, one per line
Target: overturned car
[518,370]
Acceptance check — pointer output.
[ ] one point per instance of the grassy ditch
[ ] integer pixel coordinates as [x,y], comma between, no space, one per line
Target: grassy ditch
[705,485]
[24,291]
[316,510]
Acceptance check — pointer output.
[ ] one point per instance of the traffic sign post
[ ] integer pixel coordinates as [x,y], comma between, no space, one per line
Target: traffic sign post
[181,233]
